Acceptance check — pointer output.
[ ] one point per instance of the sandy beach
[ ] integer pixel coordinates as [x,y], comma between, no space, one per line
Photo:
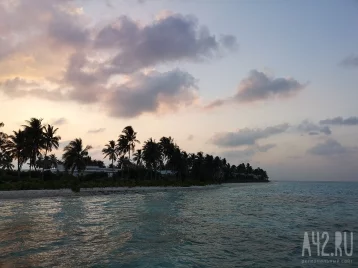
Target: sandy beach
[19,194]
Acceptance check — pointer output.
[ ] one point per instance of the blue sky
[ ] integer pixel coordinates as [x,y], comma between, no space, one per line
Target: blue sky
[297,60]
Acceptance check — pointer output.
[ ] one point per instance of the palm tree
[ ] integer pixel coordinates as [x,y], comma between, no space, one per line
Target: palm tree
[138,157]
[168,148]
[241,169]
[123,162]
[127,141]
[178,161]
[3,137]
[198,165]
[6,161]
[35,139]
[185,161]
[53,161]
[75,156]
[233,171]
[208,166]
[152,155]
[249,169]
[16,147]
[200,157]
[41,162]
[111,151]
[217,166]
[122,148]
[190,162]
[50,138]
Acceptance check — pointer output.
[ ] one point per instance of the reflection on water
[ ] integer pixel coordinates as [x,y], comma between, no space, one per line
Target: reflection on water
[228,226]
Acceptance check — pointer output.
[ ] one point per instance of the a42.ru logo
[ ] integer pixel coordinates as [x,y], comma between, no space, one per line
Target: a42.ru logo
[343,244]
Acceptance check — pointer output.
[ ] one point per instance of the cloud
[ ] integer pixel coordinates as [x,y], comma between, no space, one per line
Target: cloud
[190,137]
[350,121]
[169,38]
[214,104]
[248,152]
[66,29]
[142,93]
[109,4]
[313,129]
[5,48]
[57,23]
[351,61]
[20,88]
[246,136]
[148,93]
[64,56]
[258,86]
[39,36]
[86,85]
[95,131]
[265,148]
[330,147]
[59,121]
[229,41]
[17,82]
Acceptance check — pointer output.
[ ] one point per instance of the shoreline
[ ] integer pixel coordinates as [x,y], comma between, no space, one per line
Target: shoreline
[24,194]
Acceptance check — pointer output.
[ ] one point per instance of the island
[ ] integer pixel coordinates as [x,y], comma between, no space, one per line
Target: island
[161,163]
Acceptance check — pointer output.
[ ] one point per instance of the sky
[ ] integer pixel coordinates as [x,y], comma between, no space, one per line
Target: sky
[273,83]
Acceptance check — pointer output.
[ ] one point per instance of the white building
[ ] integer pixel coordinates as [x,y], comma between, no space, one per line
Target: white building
[167,172]
[88,170]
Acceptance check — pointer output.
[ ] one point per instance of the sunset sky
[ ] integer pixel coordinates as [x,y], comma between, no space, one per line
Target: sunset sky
[273,83]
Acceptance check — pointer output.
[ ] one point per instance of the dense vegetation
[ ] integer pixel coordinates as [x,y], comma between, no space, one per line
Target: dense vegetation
[142,167]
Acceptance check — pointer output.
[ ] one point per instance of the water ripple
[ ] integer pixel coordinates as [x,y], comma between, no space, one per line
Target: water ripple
[251,225]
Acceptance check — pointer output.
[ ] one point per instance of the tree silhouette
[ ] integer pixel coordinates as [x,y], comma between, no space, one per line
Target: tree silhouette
[3,138]
[110,151]
[152,156]
[53,161]
[35,139]
[168,147]
[127,141]
[138,156]
[50,141]
[6,161]
[75,155]
[16,146]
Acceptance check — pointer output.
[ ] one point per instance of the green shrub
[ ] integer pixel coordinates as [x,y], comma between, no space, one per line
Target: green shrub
[94,176]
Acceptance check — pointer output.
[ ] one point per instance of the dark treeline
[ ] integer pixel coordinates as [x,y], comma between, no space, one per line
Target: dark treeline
[155,163]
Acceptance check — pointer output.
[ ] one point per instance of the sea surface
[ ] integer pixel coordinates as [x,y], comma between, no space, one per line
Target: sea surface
[233,225]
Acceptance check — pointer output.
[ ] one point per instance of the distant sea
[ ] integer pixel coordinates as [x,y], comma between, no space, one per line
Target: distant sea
[233,225]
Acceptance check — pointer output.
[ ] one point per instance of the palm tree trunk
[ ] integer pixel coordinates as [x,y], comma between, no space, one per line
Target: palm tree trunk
[34,159]
[155,173]
[18,168]
[129,159]
[73,169]
[112,169]
[43,165]
[122,174]
[30,168]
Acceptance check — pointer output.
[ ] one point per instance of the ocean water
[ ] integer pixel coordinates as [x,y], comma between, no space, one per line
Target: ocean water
[233,225]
